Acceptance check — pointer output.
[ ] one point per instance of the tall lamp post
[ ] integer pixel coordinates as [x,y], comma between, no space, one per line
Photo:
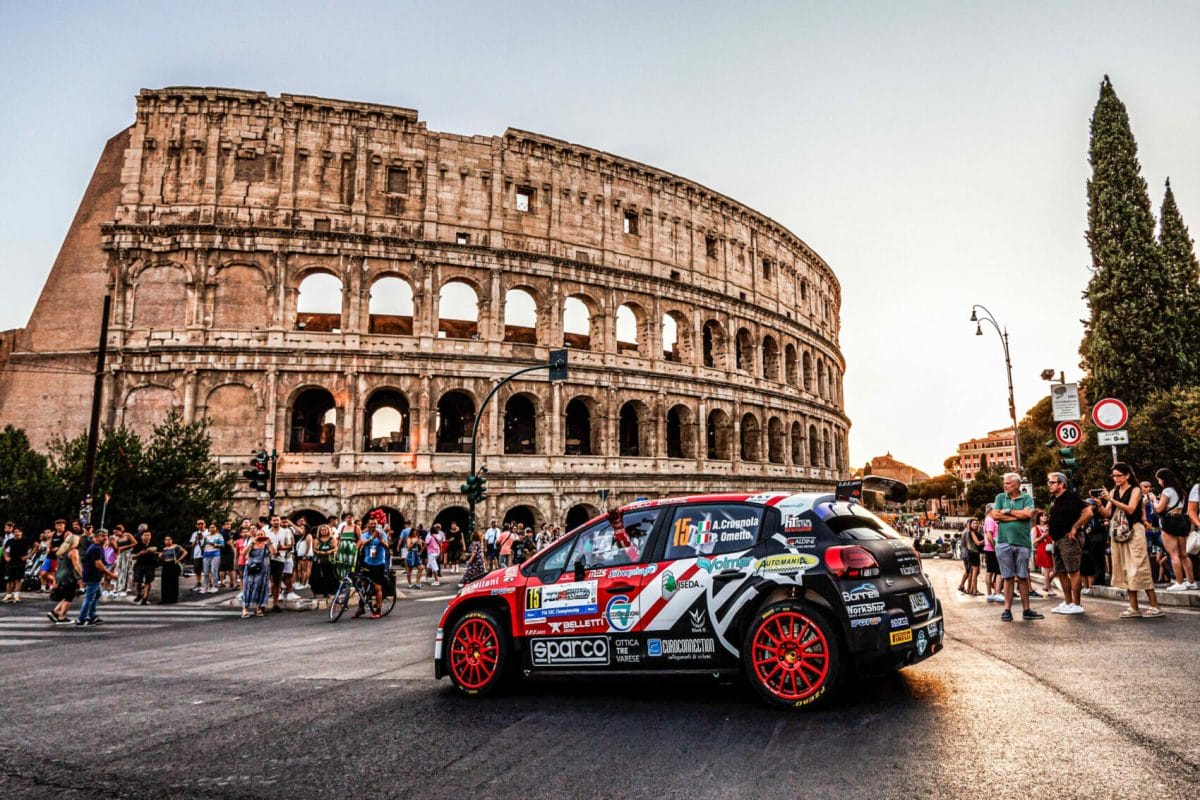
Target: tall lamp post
[1012,404]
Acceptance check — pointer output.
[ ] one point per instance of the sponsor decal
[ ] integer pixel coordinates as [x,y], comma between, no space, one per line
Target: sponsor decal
[863,609]
[922,643]
[561,600]
[688,649]
[703,535]
[913,570]
[654,647]
[865,591]
[919,602]
[597,573]
[570,652]
[799,562]
[627,651]
[871,572]
[671,585]
[796,523]
[620,613]
[721,563]
[901,637]
[801,541]
[633,572]
[575,625]
[898,544]
[867,622]
[503,590]
[900,622]
[697,617]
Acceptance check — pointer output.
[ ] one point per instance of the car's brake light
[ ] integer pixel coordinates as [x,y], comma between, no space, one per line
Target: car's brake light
[851,561]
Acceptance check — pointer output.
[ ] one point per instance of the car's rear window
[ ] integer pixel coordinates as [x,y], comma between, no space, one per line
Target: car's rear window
[853,523]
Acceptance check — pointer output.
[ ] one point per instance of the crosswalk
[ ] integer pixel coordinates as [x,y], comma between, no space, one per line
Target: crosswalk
[28,625]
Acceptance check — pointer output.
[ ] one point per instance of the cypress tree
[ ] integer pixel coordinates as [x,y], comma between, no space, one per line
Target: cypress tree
[1123,346]
[1182,303]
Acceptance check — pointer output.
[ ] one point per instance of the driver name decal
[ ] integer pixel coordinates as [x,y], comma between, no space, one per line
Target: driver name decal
[560,600]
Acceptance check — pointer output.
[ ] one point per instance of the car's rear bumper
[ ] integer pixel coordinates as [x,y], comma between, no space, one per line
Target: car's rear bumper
[886,648]
[439,663]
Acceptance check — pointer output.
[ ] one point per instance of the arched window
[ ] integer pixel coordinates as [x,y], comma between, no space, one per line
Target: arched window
[579,431]
[523,515]
[385,422]
[744,350]
[577,324]
[319,303]
[821,377]
[718,433]
[520,317]
[789,365]
[391,307]
[455,416]
[770,358]
[577,515]
[681,433]
[826,448]
[458,311]
[314,422]
[776,441]
[675,338]
[634,429]
[520,426]
[797,444]
[631,329]
[814,448]
[808,370]
[751,438]
[715,346]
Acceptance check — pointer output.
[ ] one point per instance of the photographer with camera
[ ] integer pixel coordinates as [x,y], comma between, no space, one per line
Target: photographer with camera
[1122,507]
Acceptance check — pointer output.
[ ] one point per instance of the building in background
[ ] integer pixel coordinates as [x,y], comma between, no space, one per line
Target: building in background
[335,281]
[886,466]
[997,450]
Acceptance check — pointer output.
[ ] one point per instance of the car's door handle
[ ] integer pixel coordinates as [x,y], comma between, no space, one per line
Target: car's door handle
[727,574]
[619,588]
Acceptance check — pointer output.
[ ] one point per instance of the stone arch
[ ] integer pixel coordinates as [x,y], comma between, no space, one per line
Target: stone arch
[814,449]
[523,513]
[808,371]
[681,432]
[770,358]
[319,302]
[715,345]
[776,441]
[797,444]
[241,300]
[719,435]
[744,350]
[635,430]
[146,406]
[581,322]
[458,309]
[790,376]
[676,338]
[234,418]
[313,518]
[313,415]
[821,377]
[455,416]
[826,448]
[579,514]
[386,421]
[521,413]
[160,297]
[633,334]
[395,517]
[751,438]
[452,513]
[583,426]
[390,306]
[522,322]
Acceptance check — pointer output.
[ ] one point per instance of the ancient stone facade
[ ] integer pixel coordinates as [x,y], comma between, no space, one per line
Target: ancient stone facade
[702,335]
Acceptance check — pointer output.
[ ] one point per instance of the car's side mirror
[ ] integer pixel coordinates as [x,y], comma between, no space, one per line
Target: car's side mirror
[579,568]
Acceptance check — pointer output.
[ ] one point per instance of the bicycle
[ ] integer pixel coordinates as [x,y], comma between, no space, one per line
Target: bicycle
[358,582]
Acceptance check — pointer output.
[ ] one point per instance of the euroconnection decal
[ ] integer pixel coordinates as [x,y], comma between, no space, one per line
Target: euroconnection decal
[798,563]
[722,563]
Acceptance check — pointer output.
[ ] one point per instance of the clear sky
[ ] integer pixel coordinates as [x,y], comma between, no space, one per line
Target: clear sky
[935,154]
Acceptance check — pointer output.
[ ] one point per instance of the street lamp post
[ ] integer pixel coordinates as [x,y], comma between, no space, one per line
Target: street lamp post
[1012,404]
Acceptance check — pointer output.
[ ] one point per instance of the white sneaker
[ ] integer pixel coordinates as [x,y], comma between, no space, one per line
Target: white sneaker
[1074,609]
[1176,587]
[1086,592]
[1061,608]
[291,596]
[1193,586]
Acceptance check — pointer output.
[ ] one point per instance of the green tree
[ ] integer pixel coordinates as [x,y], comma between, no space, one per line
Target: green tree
[1181,303]
[29,494]
[983,490]
[1165,432]
[120,465]
[1037,458]
[1124,349]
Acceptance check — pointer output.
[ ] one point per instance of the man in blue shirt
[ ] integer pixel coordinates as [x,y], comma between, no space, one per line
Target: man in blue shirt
[373,550]
[94,571]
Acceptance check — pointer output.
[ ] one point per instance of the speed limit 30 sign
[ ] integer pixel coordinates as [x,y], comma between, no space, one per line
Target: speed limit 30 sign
[1068,433]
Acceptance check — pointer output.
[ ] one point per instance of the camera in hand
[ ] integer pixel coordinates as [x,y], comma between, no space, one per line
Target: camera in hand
[1095,492]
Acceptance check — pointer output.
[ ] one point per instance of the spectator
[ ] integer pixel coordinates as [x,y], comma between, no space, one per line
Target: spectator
[543,539]
[145,563]
[1122,507]
[1042,557]
[1175,529]
[1095,548]
[211,546]
[492,551]
[990,527]
[347,546]
[434,543]
[240,545]
[504,543]
[375,558]
[289,560]
[412,557]
[476,561]
[1013,510]
[95,569]
[1069,517]
[66,578]
[197,545]
[16,552]
[123,542]
[258,573]
[172,556]
[281,542]
[45,571]
[324,575]
[228,555]
[454,547]
[304,551]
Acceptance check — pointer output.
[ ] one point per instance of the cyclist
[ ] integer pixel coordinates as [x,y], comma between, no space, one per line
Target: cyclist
[375,557]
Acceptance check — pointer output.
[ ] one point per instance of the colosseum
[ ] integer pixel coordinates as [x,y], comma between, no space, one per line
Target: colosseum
[334,280]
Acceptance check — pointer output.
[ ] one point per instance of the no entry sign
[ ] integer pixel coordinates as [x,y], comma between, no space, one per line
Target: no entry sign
[1068,433]
[1110,414]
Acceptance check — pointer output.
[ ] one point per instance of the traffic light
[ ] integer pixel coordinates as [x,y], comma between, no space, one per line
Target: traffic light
[475,488]
[258,473]
[1066,457]
[480,487]
[558,365]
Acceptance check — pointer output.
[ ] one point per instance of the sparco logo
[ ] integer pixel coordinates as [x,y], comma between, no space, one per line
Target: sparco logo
[570,651]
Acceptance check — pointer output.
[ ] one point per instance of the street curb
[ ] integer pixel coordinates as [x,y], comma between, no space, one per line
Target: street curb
[1189,599]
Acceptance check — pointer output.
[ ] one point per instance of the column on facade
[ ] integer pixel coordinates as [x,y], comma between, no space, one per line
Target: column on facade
[273,423]
[555,446]
[189,396]
[424,416]
[350,413]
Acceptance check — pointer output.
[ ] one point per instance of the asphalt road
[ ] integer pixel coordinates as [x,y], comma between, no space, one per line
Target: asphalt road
[291,707]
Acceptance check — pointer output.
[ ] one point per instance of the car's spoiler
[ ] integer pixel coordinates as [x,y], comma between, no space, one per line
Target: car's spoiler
[892,490]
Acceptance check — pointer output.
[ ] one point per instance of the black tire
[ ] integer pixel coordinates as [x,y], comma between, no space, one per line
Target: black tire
[477,653]
[388,604]
[792,655]
[341,599]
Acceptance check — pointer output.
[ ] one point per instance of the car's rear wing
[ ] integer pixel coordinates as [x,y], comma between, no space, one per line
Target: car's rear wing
[890,490]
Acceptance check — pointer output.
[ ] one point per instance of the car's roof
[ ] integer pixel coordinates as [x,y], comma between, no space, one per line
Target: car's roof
[768,498]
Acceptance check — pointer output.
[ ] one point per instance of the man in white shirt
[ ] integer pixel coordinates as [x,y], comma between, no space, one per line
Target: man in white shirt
[489,540]
[282,539]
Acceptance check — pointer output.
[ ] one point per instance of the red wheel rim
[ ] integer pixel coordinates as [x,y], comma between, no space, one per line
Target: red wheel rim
[790,656]
[474,653]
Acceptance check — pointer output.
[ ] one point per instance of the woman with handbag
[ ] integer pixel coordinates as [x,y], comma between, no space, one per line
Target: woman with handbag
[1122,507]
[1175,529]
[256,579]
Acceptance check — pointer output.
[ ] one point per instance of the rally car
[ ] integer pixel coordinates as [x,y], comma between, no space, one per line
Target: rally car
[797,591]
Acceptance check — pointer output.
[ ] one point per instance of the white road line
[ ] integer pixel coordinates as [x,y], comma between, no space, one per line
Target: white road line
[49,626]
[432,600]
[18,642]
